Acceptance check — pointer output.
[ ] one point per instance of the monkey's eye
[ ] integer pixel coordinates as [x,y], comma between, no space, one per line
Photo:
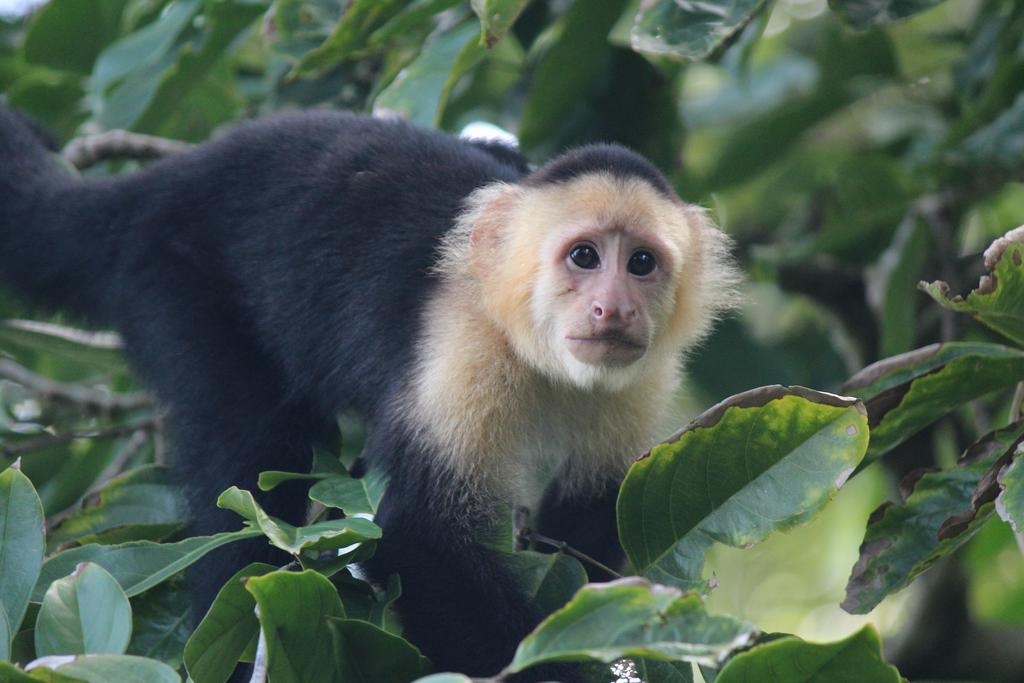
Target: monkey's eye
[641,263]
[585,256]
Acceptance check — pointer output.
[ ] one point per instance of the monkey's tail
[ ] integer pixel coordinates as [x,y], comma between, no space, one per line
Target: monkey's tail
[52,247]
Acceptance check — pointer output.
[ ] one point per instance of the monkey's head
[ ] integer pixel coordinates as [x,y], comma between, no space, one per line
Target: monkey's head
[594,268]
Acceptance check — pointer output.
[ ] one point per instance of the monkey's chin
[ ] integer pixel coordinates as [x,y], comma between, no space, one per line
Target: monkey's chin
[589,370]
[605,352]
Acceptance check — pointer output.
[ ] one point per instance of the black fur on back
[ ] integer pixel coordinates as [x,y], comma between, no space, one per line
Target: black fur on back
[266,282]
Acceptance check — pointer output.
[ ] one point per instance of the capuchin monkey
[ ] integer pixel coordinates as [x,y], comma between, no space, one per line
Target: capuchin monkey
[512,338]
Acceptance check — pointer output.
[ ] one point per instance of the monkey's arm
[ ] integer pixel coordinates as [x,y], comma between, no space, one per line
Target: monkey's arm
[587,524]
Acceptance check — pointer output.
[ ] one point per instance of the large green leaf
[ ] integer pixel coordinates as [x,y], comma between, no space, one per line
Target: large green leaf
[691,30]
[141,503]
[631,617]
[367,654]
[906,393]
[941,512]
[420,91]
[226,631]
[865,13]
[329,534]
[21,543]
[497,17]
[5,636]
[855,659]
[84,613]
[139,565]
[761,461]
[294,612]
[998,301]
[999,144]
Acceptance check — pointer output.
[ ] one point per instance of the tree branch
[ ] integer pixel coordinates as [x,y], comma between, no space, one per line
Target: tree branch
[89,150]
[568,549]
[71,392]
[14,450]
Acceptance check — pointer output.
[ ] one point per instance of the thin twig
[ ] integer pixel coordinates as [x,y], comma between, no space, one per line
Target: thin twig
[96,340]
[72,392]
[568,549]
[89,150]
[49,440]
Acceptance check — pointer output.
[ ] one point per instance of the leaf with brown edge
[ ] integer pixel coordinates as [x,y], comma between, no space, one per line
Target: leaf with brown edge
[761,461]
[906,393]
[998,301]
[941,510]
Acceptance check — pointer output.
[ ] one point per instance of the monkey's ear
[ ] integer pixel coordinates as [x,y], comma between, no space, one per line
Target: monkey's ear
[491,221]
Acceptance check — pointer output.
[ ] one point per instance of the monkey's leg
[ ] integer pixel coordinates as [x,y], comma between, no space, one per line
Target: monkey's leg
[226,420]
[588,524]
[460,604]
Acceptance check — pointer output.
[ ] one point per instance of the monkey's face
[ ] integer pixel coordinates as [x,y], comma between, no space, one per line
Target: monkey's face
[600,297]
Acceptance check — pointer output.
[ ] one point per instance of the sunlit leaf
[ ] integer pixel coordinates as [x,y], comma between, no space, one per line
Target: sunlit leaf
[631,617]
[942,510]
[108,668]
[1010,502]
[906,393]
[761,461]
[856,658]
[998,301]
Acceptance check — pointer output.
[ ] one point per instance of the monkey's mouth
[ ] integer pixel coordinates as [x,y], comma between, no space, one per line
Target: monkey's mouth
[613,348]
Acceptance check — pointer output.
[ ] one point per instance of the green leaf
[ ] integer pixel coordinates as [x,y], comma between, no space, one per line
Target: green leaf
[93,25]
[574,50]
[548,579]
[939,514]
[691,30]
[889,280]
[119,668]
[349,35]
[998,302]
[497,17]
[139,565]
[271,479]
[631,617]
[162,623]
[445,678]
[227,629]
[853,659]
[761,461]
[999,144]
[416,13]
[84,613]
[351,495]
[367,654]
[906,393]
[294,611]
[141,501]
[420,91]
[326,535]
[864,13]
[21,543]
[5,636]
[1010,502]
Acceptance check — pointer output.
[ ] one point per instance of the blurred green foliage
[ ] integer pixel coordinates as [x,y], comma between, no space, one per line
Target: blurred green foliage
[850,147]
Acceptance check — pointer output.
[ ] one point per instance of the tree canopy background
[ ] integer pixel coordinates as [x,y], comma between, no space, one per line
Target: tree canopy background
[851,148]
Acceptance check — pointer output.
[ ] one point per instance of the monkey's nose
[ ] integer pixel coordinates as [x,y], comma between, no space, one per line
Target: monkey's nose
[609,311]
